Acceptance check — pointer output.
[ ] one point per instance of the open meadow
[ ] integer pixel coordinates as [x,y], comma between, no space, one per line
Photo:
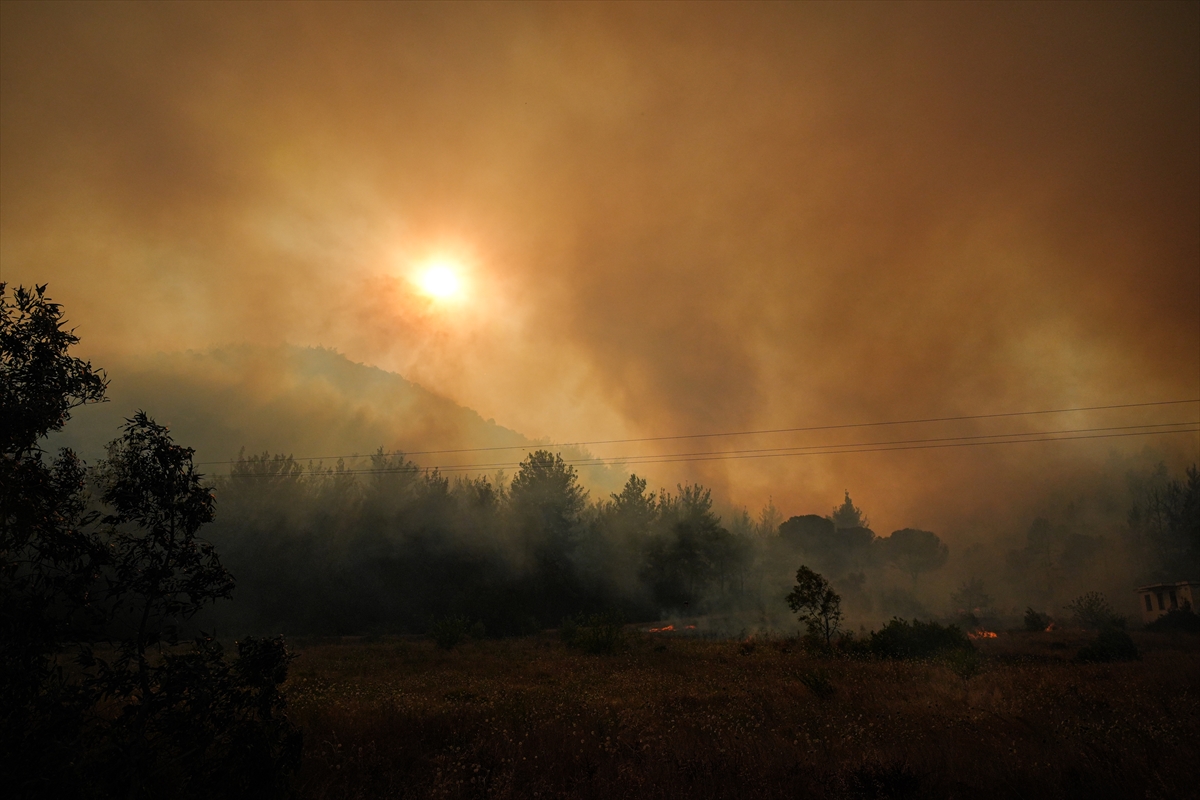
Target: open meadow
[670,716]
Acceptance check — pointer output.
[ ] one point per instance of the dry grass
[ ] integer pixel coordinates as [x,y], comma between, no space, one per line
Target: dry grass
[675,717]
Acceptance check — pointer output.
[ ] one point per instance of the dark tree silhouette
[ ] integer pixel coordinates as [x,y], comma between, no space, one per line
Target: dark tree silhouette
[162,574]
[817,605]
[808,534]
[49,554]
[971,598]
[547,500]
[848,515]
[915,551]
[1167,514]
[183,724]
[691,552]
[634,509]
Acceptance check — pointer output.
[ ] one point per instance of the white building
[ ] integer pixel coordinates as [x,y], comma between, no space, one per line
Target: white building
[1161,598]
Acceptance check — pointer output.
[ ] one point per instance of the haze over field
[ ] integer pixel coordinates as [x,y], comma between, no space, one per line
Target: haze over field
[664,219]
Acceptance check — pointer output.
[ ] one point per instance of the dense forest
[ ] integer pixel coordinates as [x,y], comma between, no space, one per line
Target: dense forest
[321,549]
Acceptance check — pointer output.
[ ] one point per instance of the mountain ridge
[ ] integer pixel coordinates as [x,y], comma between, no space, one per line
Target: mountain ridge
[309,402]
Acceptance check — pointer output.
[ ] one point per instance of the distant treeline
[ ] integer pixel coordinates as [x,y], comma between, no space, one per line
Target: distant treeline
[325,550]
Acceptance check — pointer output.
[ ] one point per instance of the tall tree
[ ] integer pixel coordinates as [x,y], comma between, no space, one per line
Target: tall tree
[546,501]
[691,550]
[634,508]
[816,603]
[769,520]
[188,724]
[915,551]
[220,723]
[163,572]
[848,515]
[50,554]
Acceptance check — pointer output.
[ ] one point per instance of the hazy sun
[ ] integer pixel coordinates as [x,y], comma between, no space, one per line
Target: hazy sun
[440,280]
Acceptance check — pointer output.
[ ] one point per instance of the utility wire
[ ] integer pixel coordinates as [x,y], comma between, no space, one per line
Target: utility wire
[537,446]
[810,450]
[655,458]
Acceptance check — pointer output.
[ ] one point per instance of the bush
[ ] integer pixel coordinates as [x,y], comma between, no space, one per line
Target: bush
[448,632]
[1035,621]
[1093,612]
[595,633]
[1111,645]
[1178,620]
[901,639]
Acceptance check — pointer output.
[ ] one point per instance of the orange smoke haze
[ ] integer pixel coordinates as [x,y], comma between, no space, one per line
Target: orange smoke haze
[669,218]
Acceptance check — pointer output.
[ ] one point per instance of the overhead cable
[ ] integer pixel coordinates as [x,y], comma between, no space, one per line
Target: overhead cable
[810,450]
[543,446]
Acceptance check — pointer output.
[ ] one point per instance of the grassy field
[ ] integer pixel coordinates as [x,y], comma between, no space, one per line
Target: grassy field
[674,717]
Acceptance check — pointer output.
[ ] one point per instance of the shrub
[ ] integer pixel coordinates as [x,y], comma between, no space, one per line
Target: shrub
[448,632]
[1036,621]
[1178,620]
[1111,645]
[901,639]
[1093,612]
[595,633]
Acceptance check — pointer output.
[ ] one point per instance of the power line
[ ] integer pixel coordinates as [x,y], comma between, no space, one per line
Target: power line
[810,428]
[811,450]
[656,458]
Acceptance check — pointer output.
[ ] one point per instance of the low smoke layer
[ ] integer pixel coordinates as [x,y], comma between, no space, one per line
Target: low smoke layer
[673,219]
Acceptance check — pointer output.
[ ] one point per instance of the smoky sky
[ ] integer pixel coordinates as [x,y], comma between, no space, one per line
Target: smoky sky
[673,217]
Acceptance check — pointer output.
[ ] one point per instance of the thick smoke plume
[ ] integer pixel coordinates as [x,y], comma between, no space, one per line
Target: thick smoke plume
[672,219]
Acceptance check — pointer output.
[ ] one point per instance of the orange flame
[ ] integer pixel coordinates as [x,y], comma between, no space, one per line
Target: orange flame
[663,629]
[982,634]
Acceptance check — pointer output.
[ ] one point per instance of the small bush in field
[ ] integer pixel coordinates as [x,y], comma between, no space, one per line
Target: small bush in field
[901,639]
[1092,611]
[448,632]
[595,633]
[1111,645]
[1182,620]
[1036,621]
[817,682]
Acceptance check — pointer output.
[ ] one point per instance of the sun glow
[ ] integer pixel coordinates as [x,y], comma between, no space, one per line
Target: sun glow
[440,280]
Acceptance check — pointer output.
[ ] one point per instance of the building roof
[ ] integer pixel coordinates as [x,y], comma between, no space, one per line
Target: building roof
[1155,586]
